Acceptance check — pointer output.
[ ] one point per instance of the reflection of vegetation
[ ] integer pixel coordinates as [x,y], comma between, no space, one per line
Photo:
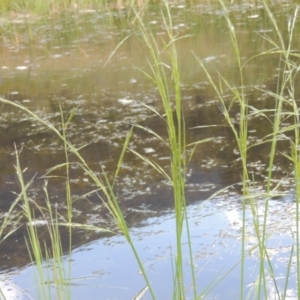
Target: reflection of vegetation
[165,74]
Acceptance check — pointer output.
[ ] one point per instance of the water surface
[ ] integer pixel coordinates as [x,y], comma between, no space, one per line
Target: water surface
[67,64]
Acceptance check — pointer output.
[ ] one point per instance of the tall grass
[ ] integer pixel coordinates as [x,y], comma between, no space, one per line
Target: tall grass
[110,201]
[240,134]
[59,275]
[285,88]
[170,92]
[165,75]
[52,254]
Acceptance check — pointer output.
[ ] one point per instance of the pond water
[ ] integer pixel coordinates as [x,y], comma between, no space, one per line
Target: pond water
[67,62]
[106,266]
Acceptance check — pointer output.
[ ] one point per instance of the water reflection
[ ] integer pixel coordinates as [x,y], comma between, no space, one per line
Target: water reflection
[65,68]
[107,265]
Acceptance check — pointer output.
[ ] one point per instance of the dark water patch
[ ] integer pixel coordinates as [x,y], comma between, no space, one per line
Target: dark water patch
[141,191]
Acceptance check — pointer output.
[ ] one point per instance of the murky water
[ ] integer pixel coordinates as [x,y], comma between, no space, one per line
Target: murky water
[67,64]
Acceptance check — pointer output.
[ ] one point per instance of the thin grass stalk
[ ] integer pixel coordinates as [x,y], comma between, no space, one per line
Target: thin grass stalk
[177,147]
[43,288]
[60,277]
[295,157]
[67,165]
[8,221]
[68,187]
[176,136]
[104,186]
[141,293]
[243,148]
[112,203]
[286,82]
[55,257]
[293,70]
[297,178]
[288,268]
[117,214]
[34,245]
[272,274]
[2,295]
[241,136]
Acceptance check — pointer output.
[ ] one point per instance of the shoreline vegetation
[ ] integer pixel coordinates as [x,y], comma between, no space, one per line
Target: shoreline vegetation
[55,7]
[164,74]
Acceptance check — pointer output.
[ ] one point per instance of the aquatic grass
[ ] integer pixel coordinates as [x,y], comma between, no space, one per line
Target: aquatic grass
[285,84]
[162,77]
[166,77]
[178,153]
[240,134]
[11,221]
[33,242]
[103,184]
[54,254]
[36,248]
[57,275]
[69,202]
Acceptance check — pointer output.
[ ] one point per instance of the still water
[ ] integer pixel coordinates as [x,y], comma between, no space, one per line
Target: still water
[68,63]
[106,268]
